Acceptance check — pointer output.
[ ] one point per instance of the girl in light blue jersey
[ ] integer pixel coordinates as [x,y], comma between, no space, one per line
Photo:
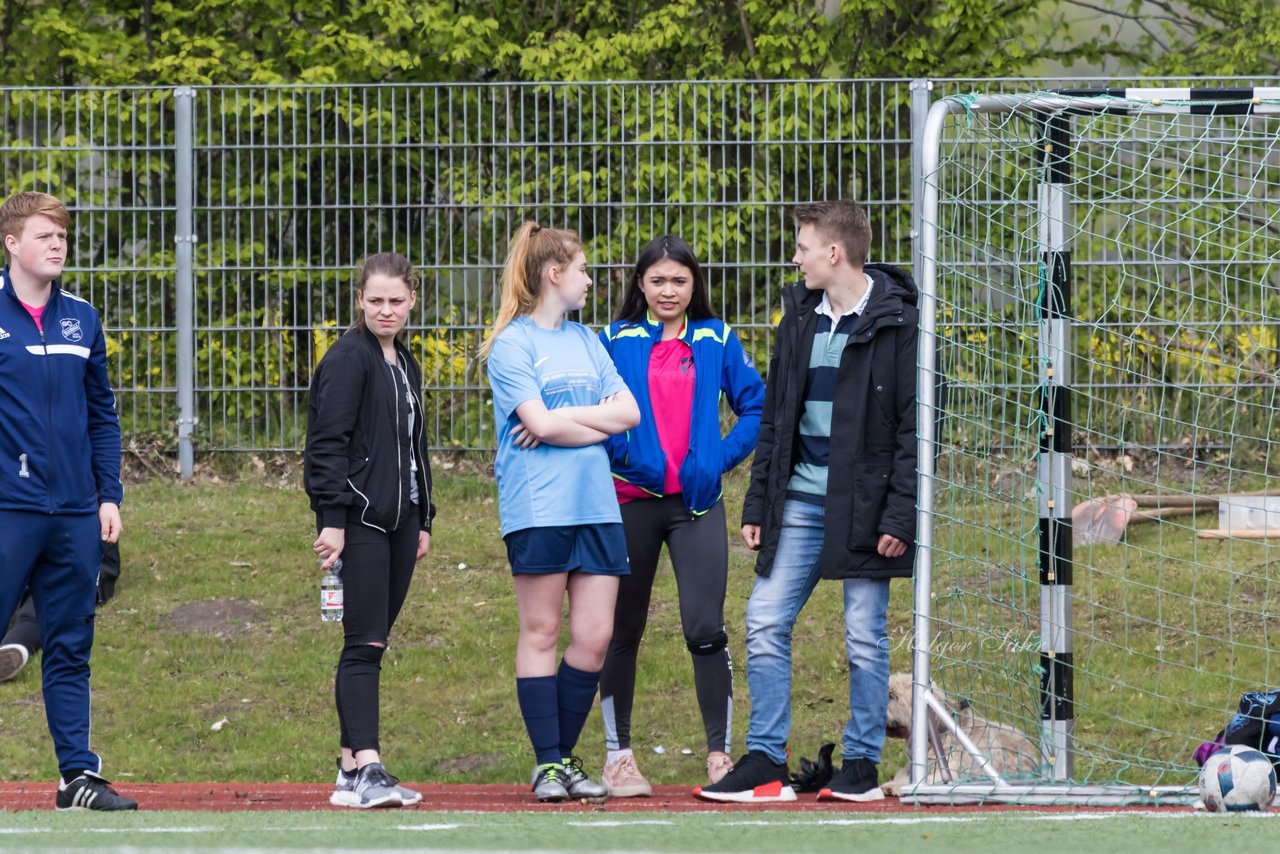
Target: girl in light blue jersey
[556,397]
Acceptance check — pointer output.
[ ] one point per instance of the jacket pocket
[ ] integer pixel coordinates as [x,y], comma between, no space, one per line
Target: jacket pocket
[722,452]
[870,493]
[357,466]
[361,482]
[618,447]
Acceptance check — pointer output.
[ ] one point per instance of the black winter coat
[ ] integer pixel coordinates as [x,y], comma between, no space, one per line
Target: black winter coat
[871,480]
[356,465]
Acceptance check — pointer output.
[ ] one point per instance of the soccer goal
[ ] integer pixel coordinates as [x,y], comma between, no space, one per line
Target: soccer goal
[1099,569]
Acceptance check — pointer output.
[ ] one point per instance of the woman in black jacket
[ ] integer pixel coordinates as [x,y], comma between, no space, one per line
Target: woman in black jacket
[367,474]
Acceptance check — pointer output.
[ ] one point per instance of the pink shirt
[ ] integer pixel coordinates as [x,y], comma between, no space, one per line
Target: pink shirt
[36,312]
[671,376]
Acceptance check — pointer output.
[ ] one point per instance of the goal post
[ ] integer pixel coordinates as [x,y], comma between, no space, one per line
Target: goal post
[1098,367]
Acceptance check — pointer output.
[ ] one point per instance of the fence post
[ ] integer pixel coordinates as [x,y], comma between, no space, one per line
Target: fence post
[185,240]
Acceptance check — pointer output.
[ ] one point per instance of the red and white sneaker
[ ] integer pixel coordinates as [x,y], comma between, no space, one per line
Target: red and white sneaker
[755,779]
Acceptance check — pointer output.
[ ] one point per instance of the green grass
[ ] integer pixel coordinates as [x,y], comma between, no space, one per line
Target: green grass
[448,699]
[739,833]
[1169,631]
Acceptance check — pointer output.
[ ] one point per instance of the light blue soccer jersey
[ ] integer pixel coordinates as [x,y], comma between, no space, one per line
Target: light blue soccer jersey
[550,485]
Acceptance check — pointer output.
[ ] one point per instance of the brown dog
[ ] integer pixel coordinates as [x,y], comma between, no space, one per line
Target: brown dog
[1010,752]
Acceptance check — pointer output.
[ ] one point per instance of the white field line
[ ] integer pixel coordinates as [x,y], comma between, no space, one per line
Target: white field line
[426,826]
[20,831]
[620,822]
[761,822]
[1014,816]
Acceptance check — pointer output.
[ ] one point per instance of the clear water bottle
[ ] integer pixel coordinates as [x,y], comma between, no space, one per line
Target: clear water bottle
[331,593]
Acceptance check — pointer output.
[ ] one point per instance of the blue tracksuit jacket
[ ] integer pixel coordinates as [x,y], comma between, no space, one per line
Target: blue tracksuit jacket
[59,433]
[722,368]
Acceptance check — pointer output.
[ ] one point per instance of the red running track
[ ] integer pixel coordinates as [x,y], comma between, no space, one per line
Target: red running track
[231,797]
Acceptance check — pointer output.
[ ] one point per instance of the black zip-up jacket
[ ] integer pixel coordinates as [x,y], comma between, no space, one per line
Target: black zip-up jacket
[356,465]
[871,478]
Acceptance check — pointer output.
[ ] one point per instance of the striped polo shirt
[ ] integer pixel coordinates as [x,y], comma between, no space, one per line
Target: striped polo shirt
[809,477]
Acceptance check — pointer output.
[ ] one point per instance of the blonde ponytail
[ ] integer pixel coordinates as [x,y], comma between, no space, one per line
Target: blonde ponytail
[533,249]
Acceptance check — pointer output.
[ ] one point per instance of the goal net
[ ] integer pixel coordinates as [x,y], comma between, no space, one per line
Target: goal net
[1100,501]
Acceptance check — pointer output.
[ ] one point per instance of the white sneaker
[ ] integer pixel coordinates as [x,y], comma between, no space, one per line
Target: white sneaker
[344,792]
[13,657]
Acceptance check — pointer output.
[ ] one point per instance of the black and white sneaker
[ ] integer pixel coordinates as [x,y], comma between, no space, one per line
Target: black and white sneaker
[755,779]
[91,792]
[857,781]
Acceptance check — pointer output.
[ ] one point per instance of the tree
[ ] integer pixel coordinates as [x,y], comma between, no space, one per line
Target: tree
[290,187]
[1189,38]
[121,42]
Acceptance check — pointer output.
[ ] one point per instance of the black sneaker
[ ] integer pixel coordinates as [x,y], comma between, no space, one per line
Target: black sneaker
[857,780]
[91,792]
[755,779]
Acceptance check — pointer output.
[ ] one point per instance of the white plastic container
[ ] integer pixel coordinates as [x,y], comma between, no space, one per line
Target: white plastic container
[1249,513]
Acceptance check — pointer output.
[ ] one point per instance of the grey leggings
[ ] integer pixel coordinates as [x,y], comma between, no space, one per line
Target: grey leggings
[699,552]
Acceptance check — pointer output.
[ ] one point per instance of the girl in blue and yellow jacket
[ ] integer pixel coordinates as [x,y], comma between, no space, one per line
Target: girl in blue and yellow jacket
[678,359]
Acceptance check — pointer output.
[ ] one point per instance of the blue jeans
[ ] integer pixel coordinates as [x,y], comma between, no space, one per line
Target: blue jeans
[775,603]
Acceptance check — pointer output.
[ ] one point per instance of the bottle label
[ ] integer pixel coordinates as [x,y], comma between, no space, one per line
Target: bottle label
[331,598]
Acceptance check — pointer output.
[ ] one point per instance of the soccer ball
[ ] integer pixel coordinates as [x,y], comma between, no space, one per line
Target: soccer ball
[1237,779]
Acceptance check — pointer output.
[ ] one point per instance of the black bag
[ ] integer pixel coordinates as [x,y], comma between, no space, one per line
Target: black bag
[812,776]
[1256,724]
[108,572]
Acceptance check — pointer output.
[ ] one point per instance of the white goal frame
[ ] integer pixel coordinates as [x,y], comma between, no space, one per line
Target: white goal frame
[1054,478]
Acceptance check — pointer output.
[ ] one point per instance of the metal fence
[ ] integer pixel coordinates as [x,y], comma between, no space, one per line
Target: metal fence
[218,228]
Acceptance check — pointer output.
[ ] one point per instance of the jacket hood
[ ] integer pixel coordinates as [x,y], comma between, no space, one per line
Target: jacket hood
[890,281]
[895,280]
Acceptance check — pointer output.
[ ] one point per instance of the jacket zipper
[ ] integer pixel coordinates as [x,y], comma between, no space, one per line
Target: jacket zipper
[395,400]
[44,344]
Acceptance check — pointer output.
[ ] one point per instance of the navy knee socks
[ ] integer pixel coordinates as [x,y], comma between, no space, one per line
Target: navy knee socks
[555,708]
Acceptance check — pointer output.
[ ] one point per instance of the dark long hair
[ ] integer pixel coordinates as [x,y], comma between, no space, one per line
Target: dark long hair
[634,305]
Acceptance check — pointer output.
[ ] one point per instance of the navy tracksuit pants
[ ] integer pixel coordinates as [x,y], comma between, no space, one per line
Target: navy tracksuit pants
[57,556]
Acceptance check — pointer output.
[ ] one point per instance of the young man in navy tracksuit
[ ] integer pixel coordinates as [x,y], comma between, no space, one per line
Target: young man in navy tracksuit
[60,486]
